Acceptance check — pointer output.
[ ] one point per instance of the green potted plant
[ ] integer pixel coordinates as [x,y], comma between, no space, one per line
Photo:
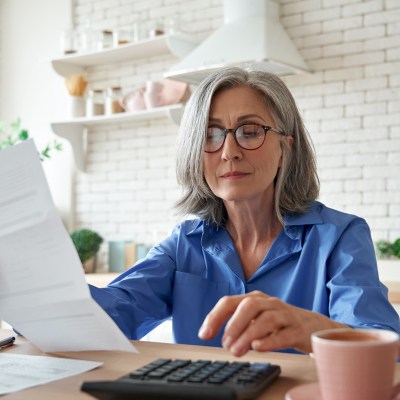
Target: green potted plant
[14,133]
[87,244]
[388,250]
[388,259]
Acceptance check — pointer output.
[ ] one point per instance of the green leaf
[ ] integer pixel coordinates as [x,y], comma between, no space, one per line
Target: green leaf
[10,141]
[23,134]
[396,248]
[387,249]
[58,146]
[16,124]
[15,127]
[384,248]
[45,152]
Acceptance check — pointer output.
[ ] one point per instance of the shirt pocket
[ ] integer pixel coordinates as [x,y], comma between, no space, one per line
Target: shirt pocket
[193,298]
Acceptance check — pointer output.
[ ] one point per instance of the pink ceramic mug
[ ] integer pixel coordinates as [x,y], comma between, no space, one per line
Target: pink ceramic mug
[153,93]
[134,101]
[356,364]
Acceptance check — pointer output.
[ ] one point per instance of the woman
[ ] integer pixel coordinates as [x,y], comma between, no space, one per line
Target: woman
[264,264]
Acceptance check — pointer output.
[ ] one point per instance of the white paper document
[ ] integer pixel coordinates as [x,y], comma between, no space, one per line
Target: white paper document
[43,292]
[21,372]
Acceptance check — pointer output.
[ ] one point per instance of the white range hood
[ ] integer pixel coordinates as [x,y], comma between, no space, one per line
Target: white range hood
[251,35]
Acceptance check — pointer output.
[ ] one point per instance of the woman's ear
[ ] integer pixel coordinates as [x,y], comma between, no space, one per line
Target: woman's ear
[289,140]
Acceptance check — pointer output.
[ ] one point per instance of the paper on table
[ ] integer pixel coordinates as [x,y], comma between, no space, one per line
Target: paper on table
[20,372]
[43,293]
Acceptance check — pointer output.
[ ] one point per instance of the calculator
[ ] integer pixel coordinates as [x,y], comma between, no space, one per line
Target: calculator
[168,379]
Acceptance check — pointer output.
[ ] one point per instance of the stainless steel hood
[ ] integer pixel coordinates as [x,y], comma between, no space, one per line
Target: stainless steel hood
[251,36]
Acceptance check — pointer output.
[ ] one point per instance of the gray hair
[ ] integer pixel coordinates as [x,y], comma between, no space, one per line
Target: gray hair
[296,183]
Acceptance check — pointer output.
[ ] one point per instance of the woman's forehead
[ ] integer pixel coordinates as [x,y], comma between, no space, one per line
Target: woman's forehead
[237,102]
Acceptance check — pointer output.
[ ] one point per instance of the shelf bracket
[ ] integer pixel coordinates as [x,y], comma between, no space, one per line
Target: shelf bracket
[175,115]
[181,44]
[66,69]
[77,136]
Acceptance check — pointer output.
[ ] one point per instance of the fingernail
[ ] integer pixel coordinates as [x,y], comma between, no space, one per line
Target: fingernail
[204,332]
[237,349]
[226,342]
[255,344]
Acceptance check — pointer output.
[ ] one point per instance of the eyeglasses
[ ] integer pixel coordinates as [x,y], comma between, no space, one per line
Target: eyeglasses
[247,136]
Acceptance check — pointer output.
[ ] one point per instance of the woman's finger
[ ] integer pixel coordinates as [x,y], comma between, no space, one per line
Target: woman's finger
[217,317]
[268,322]
[280,339]
[222,311]
[243,320]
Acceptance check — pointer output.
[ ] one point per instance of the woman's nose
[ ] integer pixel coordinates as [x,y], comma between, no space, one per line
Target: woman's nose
[231,150]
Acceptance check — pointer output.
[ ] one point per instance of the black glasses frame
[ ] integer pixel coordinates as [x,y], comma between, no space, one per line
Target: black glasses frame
[266,128]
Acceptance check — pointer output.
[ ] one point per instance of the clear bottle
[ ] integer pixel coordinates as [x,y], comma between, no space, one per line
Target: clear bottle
[89,103]
[136,29]
[87,37]
[98,108]
[68,43]
[112,101]
[94,103]
[105,40]
[120,37]
[154,28]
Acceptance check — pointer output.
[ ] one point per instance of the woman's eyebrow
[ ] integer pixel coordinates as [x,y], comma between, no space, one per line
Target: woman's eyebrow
[241,118]
[211,119]
[246,116]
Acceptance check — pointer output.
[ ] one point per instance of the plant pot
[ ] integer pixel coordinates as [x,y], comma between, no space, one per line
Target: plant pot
[89,266]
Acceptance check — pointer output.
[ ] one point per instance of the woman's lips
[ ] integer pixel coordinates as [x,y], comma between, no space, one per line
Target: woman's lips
[233,175]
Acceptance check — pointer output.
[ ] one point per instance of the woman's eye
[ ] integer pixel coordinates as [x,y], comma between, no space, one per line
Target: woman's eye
[250,132]
[214,134]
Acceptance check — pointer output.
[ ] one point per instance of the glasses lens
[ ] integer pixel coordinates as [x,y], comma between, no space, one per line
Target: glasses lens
[215,138]
[250,136]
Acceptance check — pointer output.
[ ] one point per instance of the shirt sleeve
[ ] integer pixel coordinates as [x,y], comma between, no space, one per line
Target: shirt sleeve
[357,297]
[140,299]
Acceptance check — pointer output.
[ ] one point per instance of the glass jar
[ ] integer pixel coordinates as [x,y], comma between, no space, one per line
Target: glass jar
[105,40]
[112,101]
[136,29]
[139,28]
[94,103]
[87,38]
[154,28]
[68,41]
[120,37]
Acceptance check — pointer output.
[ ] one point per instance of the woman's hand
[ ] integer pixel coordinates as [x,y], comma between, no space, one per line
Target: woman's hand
[263,323]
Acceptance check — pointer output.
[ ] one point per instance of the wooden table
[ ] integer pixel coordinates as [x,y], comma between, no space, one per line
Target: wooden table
[296,369]
[101,279]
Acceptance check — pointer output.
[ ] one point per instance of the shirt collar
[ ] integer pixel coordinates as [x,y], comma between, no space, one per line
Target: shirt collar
[194,225]
[294,223]
[311,217]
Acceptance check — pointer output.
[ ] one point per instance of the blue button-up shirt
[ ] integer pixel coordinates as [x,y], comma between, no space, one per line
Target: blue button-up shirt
[322,261]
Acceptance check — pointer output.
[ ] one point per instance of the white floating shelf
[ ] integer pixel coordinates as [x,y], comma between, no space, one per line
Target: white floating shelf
[179,44]
[75,129]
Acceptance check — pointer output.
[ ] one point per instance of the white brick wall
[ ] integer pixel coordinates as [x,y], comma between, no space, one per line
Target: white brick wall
[351,106]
